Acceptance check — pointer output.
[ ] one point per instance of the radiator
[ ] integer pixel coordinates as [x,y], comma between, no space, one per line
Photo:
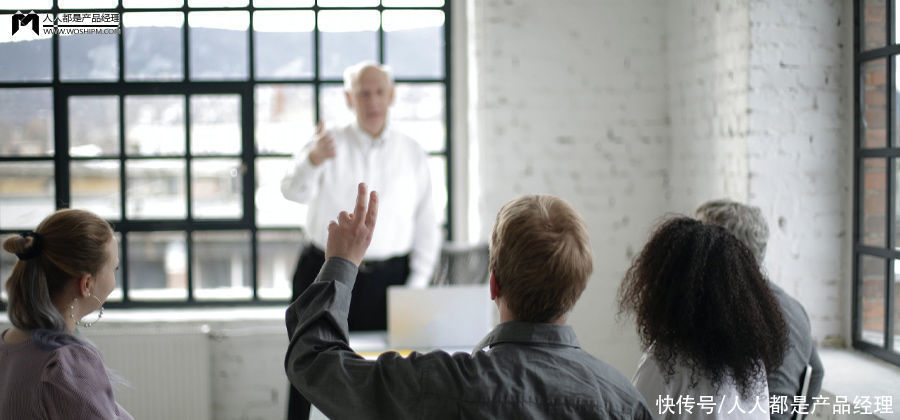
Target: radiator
[167,369]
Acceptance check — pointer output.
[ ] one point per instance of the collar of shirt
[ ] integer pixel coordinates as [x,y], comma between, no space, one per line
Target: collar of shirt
[529,332]
[366,140]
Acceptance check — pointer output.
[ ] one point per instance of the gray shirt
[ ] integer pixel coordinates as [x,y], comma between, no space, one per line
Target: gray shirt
[785,380]
[68,382]
[529,370]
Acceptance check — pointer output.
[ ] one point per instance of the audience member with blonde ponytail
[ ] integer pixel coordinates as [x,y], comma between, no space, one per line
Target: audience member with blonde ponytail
[66,269]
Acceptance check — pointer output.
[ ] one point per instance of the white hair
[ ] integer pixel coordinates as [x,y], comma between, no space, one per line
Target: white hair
[351,74]
[743,221]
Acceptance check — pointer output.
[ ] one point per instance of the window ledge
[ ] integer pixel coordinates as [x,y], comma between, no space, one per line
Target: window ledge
[850,373]
[216,322]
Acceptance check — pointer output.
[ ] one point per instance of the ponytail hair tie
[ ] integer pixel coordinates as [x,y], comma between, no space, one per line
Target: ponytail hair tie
[35,249]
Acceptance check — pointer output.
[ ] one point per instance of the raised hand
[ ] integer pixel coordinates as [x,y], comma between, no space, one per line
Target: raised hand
[323,149]
[350,235]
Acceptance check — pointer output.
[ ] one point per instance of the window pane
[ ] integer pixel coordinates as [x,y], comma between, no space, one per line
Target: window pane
[412,3]
[283,44]
[217,3]
[418,111]
[222,265]
[157,266]
[156,189]
[284,117]
[27,53]
[871,294]
[31,4]
[216,188]
[896,197]
[438,166]
[94,125]
[153,44]
[93,57]
[278,254]
[414,42]
[219,45]
[272,209]
[874,30]
[333,107]
[95,186]
[7,262]
[88,4]
[283,3]
[873,221]
[896,306]
[347,3]
[896,94]
[347,37]
[216,124]
[148,4]
[27,194]
[154,125]
[116,294]
[874,118]
[26,121]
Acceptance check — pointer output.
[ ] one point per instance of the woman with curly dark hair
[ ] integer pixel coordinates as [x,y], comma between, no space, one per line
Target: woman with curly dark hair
[709,324]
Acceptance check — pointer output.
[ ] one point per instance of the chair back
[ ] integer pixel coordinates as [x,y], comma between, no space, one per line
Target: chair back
[804,389]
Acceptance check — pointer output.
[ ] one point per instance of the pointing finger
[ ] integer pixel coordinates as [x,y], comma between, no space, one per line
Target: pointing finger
[320,127]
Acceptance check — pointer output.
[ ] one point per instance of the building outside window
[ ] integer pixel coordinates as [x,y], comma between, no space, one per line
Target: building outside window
[876,286]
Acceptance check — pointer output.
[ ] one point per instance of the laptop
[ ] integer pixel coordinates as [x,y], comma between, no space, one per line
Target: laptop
[453,317]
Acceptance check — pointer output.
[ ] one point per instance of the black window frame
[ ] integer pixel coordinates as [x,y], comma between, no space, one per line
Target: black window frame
[62,90]
[889,153]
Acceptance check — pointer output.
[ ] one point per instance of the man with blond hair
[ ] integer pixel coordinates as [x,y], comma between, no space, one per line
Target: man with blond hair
[528,366]
[748,225]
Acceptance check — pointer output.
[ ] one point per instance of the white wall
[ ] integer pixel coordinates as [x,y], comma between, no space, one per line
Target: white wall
[708,78]
[800,149]
[571,101]
[630,110]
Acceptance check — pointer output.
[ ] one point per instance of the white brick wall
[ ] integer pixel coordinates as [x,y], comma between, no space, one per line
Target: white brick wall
[630,110]
[707,67]
[571,101]
[800,148]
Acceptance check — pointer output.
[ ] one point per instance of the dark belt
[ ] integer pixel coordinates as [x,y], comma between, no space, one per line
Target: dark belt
[367,266]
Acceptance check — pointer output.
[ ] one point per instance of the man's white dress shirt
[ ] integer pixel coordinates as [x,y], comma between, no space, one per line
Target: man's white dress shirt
[392,164]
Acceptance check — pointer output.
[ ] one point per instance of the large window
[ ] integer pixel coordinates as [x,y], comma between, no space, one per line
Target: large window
[175,120]
[876,274]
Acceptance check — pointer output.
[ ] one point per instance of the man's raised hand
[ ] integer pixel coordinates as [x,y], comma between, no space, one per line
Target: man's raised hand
[323,149]
[350,235]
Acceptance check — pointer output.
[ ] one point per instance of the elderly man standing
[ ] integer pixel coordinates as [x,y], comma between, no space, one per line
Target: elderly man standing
[748,225]
[325,175]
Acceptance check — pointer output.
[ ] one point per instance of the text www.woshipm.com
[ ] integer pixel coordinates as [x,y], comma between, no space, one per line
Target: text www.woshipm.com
[80,31]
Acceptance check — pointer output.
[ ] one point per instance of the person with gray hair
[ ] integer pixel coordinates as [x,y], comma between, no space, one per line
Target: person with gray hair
[749,226]
[324,175]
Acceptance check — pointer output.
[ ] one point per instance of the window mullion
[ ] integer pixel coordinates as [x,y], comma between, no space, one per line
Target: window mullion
[123,188]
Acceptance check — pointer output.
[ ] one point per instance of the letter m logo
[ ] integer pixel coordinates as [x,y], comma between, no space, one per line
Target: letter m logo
[19,19]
